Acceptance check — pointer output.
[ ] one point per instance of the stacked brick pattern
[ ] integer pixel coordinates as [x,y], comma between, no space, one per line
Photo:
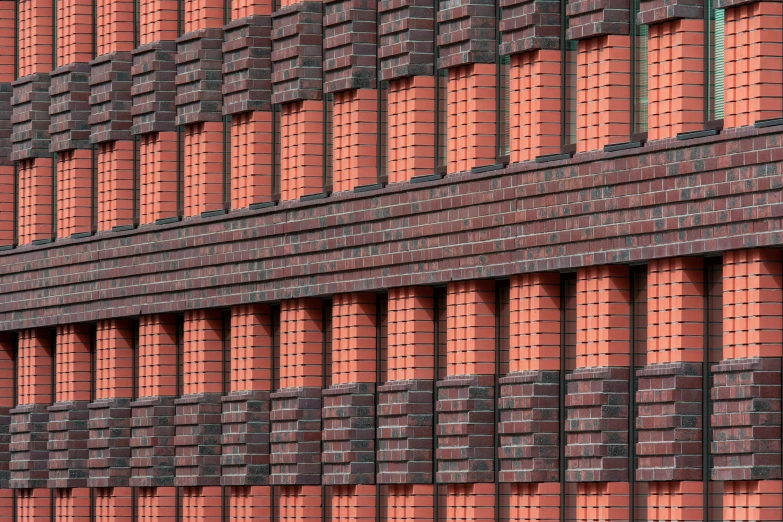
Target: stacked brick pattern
[245,439]
[349,434]
[658,11]
[466,33]
[589,19]
[110,97]
[200,77]
[30,105]
[529,25]
[69,107]
[405,38]
[297,42]
[411,128]
[154,89]
[247,65]
[350,45]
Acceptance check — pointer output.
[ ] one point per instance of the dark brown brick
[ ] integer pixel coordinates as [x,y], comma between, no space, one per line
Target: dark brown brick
[529,25]
[29,449]
[297,52]
[198,440]
[154,88]
[591,18]
[110,97]
[200,77]
[109,443]
[30,119]
[6,127]
[350,45]
[467,33]
[245,457]
[658,11]
[247,65]
[406,38]
[69,110]
[348,450]
[295,441]
[5,447]
[68,452]
[152,442]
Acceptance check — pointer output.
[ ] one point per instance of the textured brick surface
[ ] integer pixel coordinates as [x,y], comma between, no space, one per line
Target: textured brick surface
[529,427]
[466,33]
[590,18]
[348,451]
[350,45]
[154,88]
[198,440]
[110,97]
[29,449]
[297,61]
[295,441]
[246,423]
[466,429]
[657,11]
[404,434]
[69,107]
[406,38]
[68,452]
[597,425]
[529,25]
[200,77]
[669,422]
[152,442]
[6,122]
[247,65]
[109,443]
[746,419]
[5,447]
[30,117]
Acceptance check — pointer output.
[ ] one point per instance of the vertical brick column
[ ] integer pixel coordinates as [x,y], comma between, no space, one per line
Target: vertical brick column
[355,138]
[676,77]
[675,501]
[753,84]
[529,399]
[538,501]
[301,149]
[110,413]
[752,500]
[74,193]
[746,391]
[34,505]
[251,159]
[152,414]
[669,423]
[465,407]
[158,160]
[355,503]
[203,168]
[8,42]
[116,198]
[8,343]
[471,116]
[597,398]
[29,434]
[36,25]
[35,200]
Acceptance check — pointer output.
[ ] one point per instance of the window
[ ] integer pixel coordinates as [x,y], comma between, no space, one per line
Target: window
[226,162]
[714,25]
[276,143]
[383,131]
[441,119]
[503,106]
[328,141]
[639,64]
[568,85]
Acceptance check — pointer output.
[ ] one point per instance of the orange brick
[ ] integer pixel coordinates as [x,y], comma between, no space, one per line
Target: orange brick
[74,193]
[301,149]
[252,336]
[535,322]
[74,31]
[72,505]
[351,503]
[35,200]
[205,189]
[249,504]
[301,343]
[35,36]
[155,504]
[411,333]
[471,328]
[34,367]
[158,161]
[471,117]
[158,20]
[113,505]
[411,127]
[251,159]
[116,194]
[355,139]
[73,360]
[354,331]
[157,356]
[407,502]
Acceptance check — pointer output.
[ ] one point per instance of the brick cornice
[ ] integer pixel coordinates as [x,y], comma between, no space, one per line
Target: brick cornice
[667,199]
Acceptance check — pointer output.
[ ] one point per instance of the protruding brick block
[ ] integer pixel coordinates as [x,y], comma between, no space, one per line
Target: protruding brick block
[152,442]
[297,41]
[5,445]
[529,25]
[466,429]
[349,434]
[200,77]
[198,440]
[406,36]
[6,123]
[296,437]
[29,446]
[247,65]
[30,107]
[591,18]
[529,426]
[109,443]
[350,45]
[658,11]
[154,88]
[69,107]
[405,424]
[669,422]
[246,425]
[467,33]
[110,97]
[746,419]
[597,404]
[67,444]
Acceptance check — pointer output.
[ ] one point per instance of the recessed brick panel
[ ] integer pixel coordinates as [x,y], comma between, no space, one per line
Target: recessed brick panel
[109,443]
[68,452]
[297,41]
[110,97]
[296,437]
[69,107]
[597,403]
[245,453]
[6,123]
[405,429]
[591,18]
[466,33]
[198,440]
[200,77]
[30,117]
[247,65]
[406,38]
[466,429]
[29,448]
[669,422]
[746,419]
[5,445]
[349,434]
[529,25]
[529,426]
[152,442]
[154,89]
[350,45]
[657,11]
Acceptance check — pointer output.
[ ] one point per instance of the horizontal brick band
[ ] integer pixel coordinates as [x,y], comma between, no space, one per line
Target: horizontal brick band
[152,442]
[154,88]
[29,449]
[246,423]
[295,440]
[466,429]
[199,77]
[529,427]
[590,18]
[349,434]
[669,422]
[198,440]
[110,97]
[69,108]
[746,419]
[529,25]
[30,117]
[350,45]
[109,443]
[297,60]
[247,65]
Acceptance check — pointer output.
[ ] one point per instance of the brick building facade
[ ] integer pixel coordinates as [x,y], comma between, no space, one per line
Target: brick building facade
[389,261]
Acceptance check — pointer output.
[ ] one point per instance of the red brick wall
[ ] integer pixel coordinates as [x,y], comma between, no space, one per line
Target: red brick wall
[72,370]
[301,343]
[411,346]
[352,503]
[74,31]
[113,505]
[158,163]
[471,117]
[534,501]
[35,200]
[469,502]
[471,328]
[34,367]
[355,135]
[74,192]
[251,348]
[114,26]
[158,20]
[675,501]
[249,504]
[35,30]
[603,316]
[115,184]
[411,127]
[353,338]
[72,505]
[299,503]
[7,196]
[157,356]
[203,352]
[203,14]
[301,146]
[243,8]
[535,322]
[752,500]
[251,159]
[33,505]
[155,504]
[203,168]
